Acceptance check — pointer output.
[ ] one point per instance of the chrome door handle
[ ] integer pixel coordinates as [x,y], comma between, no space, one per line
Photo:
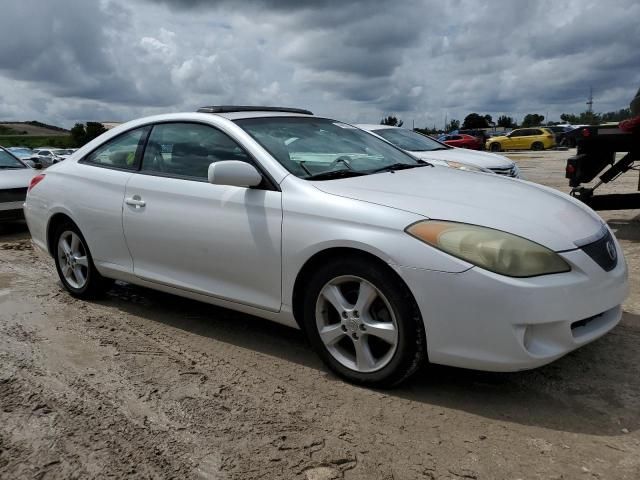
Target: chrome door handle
[135,201]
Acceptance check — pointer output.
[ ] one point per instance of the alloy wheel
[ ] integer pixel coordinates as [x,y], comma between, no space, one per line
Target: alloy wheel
[72,256]
[356,324]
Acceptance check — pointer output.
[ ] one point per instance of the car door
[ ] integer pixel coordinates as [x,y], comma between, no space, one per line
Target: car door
[453,140]
[183,231]
[96,189]
[516,138]
[536,136]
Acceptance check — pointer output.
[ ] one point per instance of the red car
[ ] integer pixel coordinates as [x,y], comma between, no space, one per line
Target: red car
[462,141]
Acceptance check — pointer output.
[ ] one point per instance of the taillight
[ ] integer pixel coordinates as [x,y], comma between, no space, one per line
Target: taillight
[586,132]
[35,180]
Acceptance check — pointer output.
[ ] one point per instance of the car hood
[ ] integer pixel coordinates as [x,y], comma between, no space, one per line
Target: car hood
[542,215]
[470,157]
[18,178]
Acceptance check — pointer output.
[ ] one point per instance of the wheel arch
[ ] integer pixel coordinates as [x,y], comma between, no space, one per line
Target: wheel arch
[54,222]
[332,254]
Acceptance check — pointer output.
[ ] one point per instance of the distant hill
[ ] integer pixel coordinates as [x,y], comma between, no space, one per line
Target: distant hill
[31,129]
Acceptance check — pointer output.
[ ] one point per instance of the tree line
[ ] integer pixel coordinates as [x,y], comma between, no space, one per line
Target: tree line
[475,121]
[82,134]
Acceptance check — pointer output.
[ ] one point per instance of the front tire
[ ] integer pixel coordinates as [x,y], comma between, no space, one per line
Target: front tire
[364,323]
[494,147]
[75,265]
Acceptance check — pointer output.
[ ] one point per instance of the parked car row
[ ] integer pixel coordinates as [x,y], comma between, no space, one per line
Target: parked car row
[382,259]
[46,156]
[513,140]
[462,140]
[540,138]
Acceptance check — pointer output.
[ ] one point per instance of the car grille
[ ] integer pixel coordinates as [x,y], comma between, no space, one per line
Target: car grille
[603,252]
[13,195]
[507,171]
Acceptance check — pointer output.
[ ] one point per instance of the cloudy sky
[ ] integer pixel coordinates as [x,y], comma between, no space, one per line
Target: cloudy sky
[64,61]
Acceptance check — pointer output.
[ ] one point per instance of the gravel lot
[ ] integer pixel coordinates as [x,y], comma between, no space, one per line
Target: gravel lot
[147,385]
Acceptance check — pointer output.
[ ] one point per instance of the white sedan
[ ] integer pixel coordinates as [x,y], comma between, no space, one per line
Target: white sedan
[438,153]
[382,260]
[14,180]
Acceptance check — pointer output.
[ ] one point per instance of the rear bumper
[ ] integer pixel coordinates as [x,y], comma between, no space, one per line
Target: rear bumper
[480,320]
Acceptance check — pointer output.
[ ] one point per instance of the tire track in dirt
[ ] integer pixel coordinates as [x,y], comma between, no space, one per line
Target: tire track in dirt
[188,390]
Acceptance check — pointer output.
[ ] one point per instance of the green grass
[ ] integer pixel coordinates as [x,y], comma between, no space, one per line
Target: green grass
[61,141]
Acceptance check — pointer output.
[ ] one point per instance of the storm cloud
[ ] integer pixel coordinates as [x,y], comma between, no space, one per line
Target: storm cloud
[73,60]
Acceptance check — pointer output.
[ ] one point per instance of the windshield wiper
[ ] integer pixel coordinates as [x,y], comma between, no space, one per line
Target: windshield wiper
[400,166]
[335,174]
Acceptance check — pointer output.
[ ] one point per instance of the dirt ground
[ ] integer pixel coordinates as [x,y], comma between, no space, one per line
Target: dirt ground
[147,385]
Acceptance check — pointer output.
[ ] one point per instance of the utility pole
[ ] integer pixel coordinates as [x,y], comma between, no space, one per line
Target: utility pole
[590,102]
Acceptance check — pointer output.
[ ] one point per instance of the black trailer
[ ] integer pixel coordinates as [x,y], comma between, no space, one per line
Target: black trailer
[596,155]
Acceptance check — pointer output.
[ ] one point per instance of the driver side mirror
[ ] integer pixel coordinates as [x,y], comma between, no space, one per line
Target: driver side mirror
[234,173]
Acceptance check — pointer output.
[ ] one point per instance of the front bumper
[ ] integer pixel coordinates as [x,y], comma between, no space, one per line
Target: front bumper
[11,211]
[485,321]
[512,171]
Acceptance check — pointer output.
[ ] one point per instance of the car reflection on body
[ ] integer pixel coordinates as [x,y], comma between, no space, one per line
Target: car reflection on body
[381,259]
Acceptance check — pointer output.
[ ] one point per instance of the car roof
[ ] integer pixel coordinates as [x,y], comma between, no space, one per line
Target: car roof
[258,114]
[236,112]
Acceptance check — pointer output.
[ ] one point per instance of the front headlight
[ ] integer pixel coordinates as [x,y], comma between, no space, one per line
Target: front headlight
[493,250]
[468,168]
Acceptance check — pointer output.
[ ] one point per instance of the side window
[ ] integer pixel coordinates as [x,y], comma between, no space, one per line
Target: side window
[535,131]
[119,152]
[517,133]
[187,150]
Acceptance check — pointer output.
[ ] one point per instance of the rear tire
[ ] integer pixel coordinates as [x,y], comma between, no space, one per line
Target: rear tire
[363,323]
[495,147]
[537,146]
[75,265]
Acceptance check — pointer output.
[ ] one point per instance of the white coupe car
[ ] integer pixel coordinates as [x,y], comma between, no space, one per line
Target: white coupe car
[433,151]
[15,176]
[382,260]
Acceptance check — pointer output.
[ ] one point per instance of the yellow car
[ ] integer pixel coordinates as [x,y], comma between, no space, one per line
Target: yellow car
[523,139]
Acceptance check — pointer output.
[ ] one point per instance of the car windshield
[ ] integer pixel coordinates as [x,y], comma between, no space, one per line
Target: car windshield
[409,140]
[21,152]
[319,148]
[9,161]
